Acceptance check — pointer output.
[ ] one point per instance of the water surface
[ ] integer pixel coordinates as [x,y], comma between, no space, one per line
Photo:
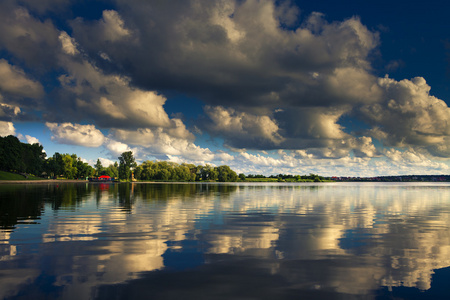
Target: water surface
[225,241]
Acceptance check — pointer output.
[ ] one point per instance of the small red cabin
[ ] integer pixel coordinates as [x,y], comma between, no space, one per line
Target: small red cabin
[105,178]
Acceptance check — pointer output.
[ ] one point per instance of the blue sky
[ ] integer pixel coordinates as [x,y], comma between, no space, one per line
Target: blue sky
[344,88]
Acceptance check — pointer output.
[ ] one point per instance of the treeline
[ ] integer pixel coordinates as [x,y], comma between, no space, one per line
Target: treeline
[284,177]
[398,178]
[67,166]
[20,157]
[23,158]
[170,171]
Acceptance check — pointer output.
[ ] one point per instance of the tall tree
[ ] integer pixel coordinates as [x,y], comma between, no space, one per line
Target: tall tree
[57,164]
[98,167]
[126,162]
[21,157]
[69,170]
[11,154]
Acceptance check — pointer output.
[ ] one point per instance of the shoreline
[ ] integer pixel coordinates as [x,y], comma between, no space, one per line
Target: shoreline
[43,181]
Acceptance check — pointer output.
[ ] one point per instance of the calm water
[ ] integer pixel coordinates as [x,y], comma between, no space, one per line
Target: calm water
[225,241]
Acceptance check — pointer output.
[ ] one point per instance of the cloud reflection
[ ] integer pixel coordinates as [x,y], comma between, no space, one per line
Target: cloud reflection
[339,238]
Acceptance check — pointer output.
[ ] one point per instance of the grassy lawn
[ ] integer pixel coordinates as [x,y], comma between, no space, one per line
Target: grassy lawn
[13,176]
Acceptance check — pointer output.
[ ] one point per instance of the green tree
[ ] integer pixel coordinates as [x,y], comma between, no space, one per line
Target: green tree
[126,162]
[208,172]
[147,171]
[99,168]
[54,165]
[226,174]
[11,154]
[113,170]
[33,157]
[69,170]
[192,170]
[163,174]
[84,169]
[138,172]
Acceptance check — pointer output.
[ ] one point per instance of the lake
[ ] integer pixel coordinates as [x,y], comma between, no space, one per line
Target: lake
[225,241]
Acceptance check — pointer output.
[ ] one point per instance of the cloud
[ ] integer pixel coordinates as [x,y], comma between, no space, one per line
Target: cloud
[408,116]
[8,112]
[410,158]
[162,142]
[110,28]
[31,140]
[233,67]
[243,129]
[295,162]
[269,79]
[29,39]
[76,134]
[116,148]
[14,82]
[223,157]
[68,44]
[392,162]
[7,128]
[316,129]
[224,51]
[105,162]
[109,99]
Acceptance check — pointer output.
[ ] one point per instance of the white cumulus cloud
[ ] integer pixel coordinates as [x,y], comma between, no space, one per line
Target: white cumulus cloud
[160,142]
[116,148]
[408,116]
[31,139]
[76,134]
[7,128]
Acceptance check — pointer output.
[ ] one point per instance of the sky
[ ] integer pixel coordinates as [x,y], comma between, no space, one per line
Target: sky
[336,88]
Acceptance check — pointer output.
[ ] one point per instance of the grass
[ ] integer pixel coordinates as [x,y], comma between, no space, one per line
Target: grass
[13,176]
[260,180]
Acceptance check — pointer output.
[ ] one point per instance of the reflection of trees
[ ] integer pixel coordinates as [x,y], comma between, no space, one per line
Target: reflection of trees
[18,203]
[164,192]
[66,195]
[126,196]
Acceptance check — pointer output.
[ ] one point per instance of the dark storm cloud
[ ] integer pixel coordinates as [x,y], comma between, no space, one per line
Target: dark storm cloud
[29,40]
[197,48]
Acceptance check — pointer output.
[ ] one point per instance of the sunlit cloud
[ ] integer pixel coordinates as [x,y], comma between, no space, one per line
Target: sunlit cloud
[76,134]
[7,128]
